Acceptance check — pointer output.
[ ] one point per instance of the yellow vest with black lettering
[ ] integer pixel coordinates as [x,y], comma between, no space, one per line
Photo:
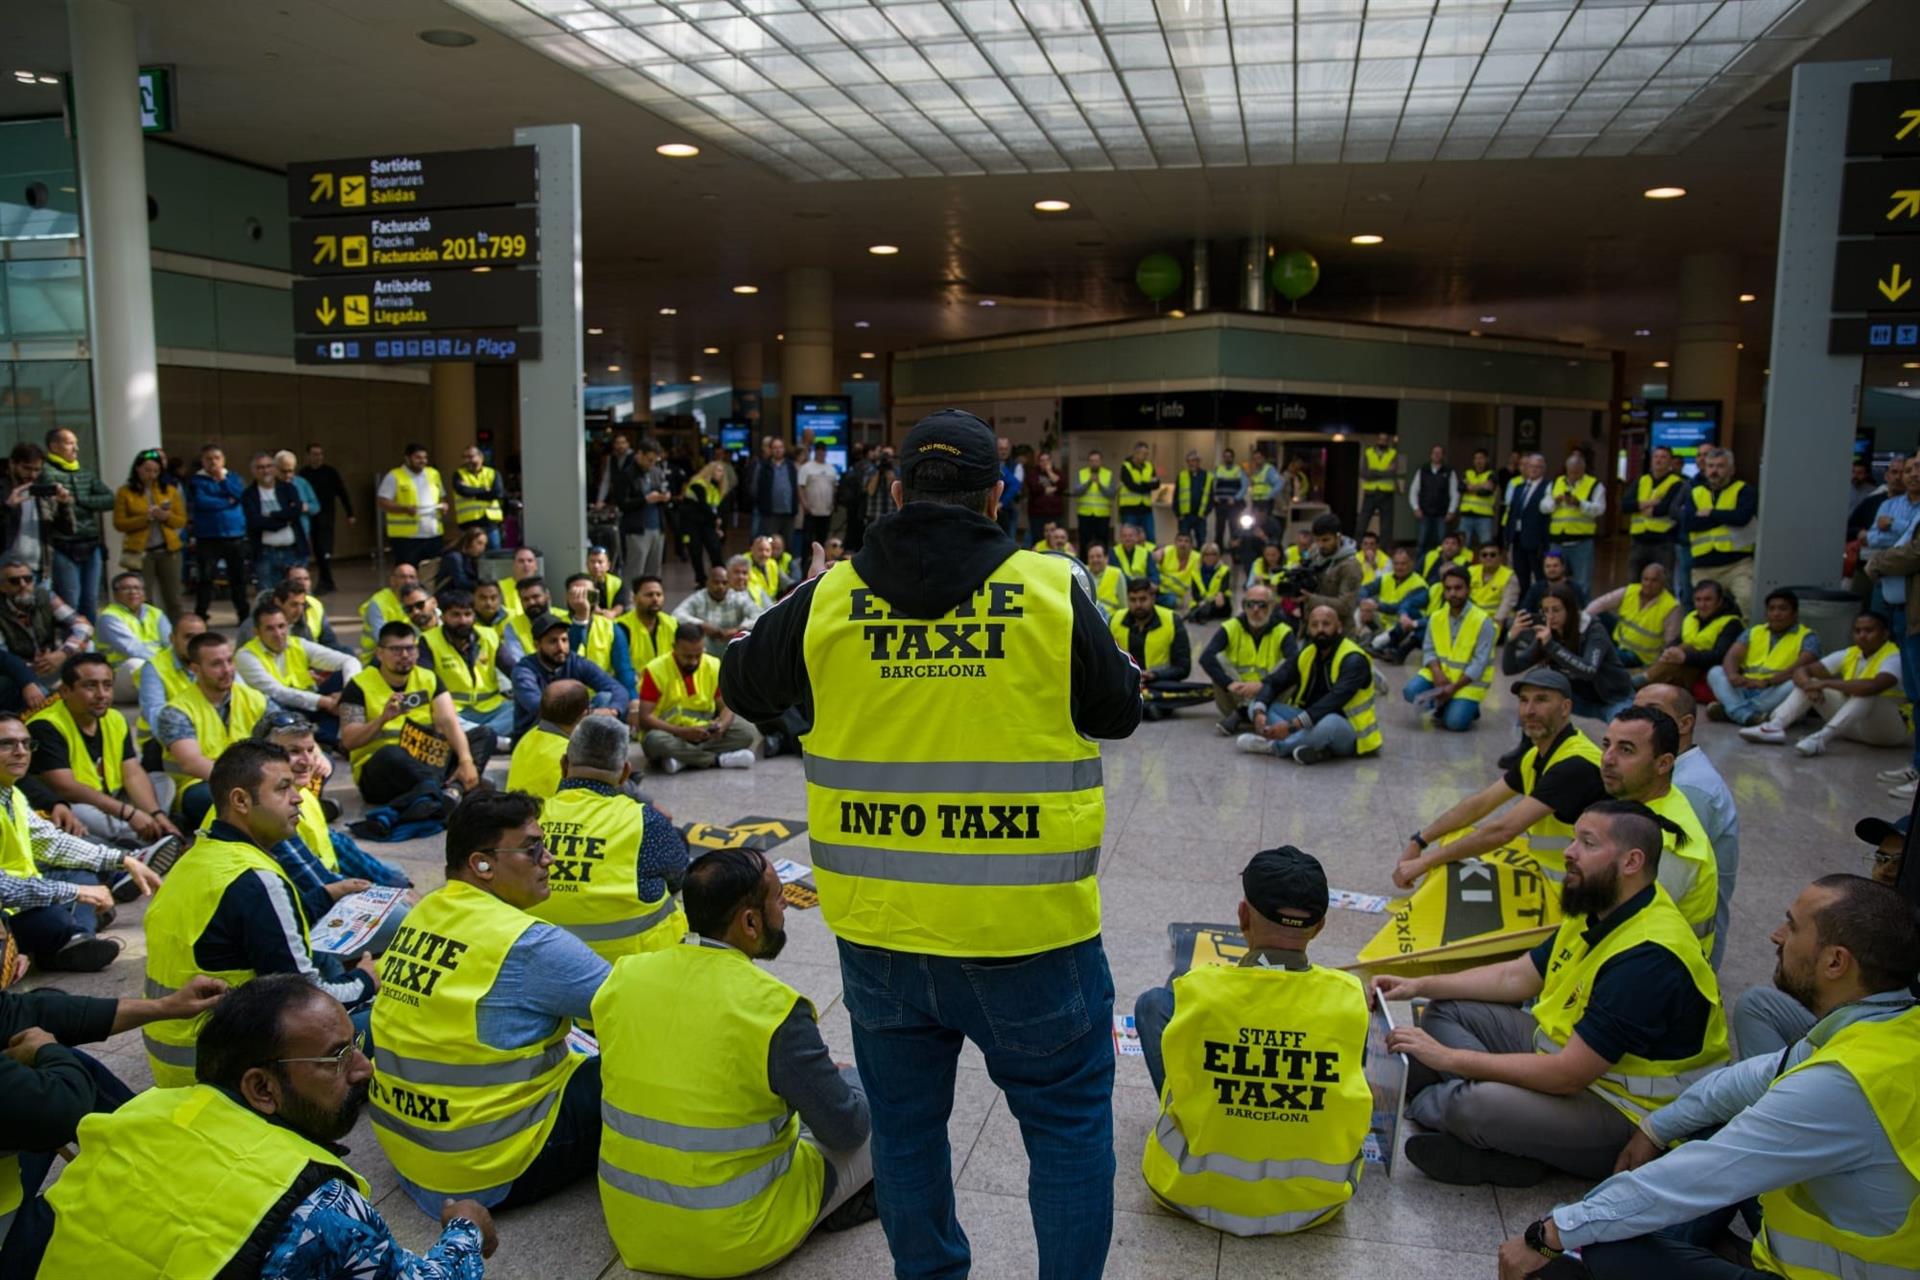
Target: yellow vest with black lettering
[1770,655]
[179,914]
[1133,560]
[1097,500]
[473,510]
[1709,536]
[290,665]
[1379,461]
[1359,708]
[113,738]
[245,706]
[455,1115]
[374,688]
[677,705]
[146,628]
[174,1184]
[1184,501]
[702,1171]
[594,882]
[1642,629]
[1858,666]
[1177,579]
[642,647]
[1487,592]
[535,766]
[1453,644]
[1548,838]
[1254,659]
[1110,589]
[1139,473]
[474,688]
[1636,1087]
[174,679]
[1568,520]
[1646,496]
[405,523]
[1794,1240]
[1688,871]
[391,610]
[16,837]
[1159,640]
[1475,504]
[1703,637]
[1393,590]
[1249,1046]
[933,830]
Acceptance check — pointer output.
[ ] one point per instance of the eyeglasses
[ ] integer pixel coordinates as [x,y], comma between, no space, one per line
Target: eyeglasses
[532,852]
[1259,604]
[17,580]
[338,1061]
[17,744]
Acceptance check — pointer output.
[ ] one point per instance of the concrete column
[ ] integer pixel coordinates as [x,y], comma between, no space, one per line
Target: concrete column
[113,209]
[553,465]
[806,357]
[1706,357]
[749,376]
[454,420]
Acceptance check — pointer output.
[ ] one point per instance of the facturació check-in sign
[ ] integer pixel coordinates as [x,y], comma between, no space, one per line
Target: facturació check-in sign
[420,240]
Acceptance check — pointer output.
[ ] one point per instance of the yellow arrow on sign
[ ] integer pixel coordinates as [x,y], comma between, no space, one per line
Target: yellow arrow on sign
[321,188]
[768,828]
[1912,119]
[325,311]
[324,247]
[1907,202]
[1895,289]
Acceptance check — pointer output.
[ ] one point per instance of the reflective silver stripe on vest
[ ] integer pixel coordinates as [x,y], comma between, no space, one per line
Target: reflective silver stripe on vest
[972,869]
[1798,1251]
[977,777]
[720,1195]
[467,1074]
[174,1055]
[155,991]
[623,928]
[1174,1143]
[1235,1224]
[688,1137]
[469,1137]
[1636,1086]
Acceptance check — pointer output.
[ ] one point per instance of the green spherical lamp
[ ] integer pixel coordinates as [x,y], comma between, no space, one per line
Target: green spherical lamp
[1158,275]
[1294,274]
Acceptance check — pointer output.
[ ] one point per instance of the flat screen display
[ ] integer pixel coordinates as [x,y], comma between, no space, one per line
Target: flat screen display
[736,437]
[824,420]
[1684,426]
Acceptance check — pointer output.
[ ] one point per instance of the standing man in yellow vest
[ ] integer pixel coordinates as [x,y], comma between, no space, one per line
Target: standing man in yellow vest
[478,496]
[1330,712]
[1093,490]
[956,851]
[131,632]
[1857,691]
[537,753]
[1646,616]
[1244,652]
[83,752]
[384,606]
[728,1132]
[1478,491]
[684,721]
[1456,669]
[1626,1016]
[1723,526]
[1756,675]
[414,500]
[469,661]
[1139,482]
[1215,1153]
[475,1094]
[1653,507]
[1193,499]
[1229,499]
[211,713]
[229,910]
[295,673]
[1821,1134]
[1574,506]
[1379,482]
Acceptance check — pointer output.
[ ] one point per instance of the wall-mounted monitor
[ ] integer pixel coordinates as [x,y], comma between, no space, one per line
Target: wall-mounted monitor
[735,436]
[824,420]
[1684,426]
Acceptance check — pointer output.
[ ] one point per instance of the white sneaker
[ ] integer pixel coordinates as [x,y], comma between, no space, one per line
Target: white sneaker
[741,759]
[671,765]
[1905,790]
[1894,777]
[1771,733]
[1812,745]
[1253,744]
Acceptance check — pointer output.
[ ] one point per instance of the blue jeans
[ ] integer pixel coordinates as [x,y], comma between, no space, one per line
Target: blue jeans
[1140,518]
[1578,553]
[1476,530]
[1044,1023]
[1683,569]
[1456,717]
[1334,733]
[1598,711]
[1432,529]
[1747,706]
[500,719]
[1683,1251]
[77,581]
[1194,527]
[1151,1014]
[271,565]
[32,1227]
[41,931]
[1910,655]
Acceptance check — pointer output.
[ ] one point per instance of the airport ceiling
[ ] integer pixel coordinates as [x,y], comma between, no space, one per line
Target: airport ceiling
[1506,183]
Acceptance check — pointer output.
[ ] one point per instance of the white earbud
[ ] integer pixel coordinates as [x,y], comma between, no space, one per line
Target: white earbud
[483,865]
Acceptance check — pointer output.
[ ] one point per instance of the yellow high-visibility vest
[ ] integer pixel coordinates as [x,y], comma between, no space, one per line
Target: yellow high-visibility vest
[373,686]
[1568,520]
[405,523]
[1139,473]
[1372,570]
[644,646]
[595,840]
[112,728]
[245,706]
[510,603]
[1453,644]
[475,688]
[1184,501]
[1176,579]
[1687,870]
[1250,1045]
[702,1171]
[1217,581]
[597,644]
[453,1114]
[291,664]
[933,830]
[1646,496]
[1475,504]
[1098,498]
[535,766]
[1133,560]
[1111,589]
[1642,629]
[473,510]
[678,704]
[1251,659]
[1708,536]
[1379,477]
[1858,666]
[1433,566]
[146,628]
[1548,838]
[391,610]
[1485,591]
[1703,637]
[16,837]
[1771,655]
[766,576]
[1159,639]
[174,678]
[1393,590]
[1359,708]
[1635,1086]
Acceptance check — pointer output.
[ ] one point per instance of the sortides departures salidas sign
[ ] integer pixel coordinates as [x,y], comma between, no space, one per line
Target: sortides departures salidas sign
[445,243]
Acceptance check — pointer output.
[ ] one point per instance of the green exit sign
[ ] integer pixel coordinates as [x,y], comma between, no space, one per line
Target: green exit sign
[156,99]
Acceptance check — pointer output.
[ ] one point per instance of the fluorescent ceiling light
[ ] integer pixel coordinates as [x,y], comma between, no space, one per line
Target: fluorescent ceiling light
[883,250]
[746,288]
[709,351]
[677,150]
[1367,238]
[1052,206]
[1664,193]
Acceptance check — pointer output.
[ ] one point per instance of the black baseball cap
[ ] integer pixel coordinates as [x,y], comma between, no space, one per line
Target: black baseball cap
[547,622]
[1286,886]
[1875,830]
[958,437]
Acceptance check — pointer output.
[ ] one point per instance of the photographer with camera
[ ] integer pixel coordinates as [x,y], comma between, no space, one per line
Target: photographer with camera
[37,511]
[1330,572]
[401,730]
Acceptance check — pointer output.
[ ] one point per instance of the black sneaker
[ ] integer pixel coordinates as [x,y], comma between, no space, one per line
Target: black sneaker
[103,918]
[862,1207]
[1311,755]
[123,887]
[82,954]
[1445,1158]
[329,809]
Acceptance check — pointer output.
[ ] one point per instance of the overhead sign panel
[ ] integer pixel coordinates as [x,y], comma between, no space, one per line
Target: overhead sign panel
[417,300]
[477,345]
[403,182]
[1880,198]
[416,241]
[1883,119]
[1874,336]
[1876,275]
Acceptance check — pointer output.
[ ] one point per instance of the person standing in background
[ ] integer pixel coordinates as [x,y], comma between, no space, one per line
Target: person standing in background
[1379,481]
[273,513]
[79,558]
[1434,496]
[414,499]
[478,496]
[1575,504]
[1523,523]
[1477,493]
[1139,481]
[1093,502]
[1723,526]
[1014,477]
[643,512]
[1193,499]
[219,529]
[1046,493]
[1652,508]
[328,488]
[776,492]
[1263,482]
[1229,496]
[818,481]
[150,510]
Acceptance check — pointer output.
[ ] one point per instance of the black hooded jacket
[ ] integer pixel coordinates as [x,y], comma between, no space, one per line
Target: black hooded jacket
[924,560]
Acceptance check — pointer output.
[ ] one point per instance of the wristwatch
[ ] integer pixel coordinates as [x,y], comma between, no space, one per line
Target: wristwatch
[1536,1240]
[1418,839]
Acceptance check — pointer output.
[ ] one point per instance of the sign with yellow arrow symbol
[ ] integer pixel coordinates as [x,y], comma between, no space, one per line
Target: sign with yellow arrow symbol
[1883,119]
[760,834]
[1876,275]
[1880,198]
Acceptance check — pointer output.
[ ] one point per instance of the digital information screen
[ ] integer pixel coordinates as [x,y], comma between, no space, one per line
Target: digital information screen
[1684,426]
[735,437]
[826,419]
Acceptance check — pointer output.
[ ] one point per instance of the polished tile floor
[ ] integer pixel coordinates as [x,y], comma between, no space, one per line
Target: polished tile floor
[1184,812]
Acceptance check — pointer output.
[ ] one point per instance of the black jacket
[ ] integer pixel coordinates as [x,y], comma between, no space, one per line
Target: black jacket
[1524,525]
[924,560]
[1327,693]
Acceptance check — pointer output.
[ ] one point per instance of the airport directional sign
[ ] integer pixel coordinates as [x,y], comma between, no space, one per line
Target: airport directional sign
[1873,336]
[1883,119]
[419,240]
[1880,198]
[465,345]
[405,181]
[416,300]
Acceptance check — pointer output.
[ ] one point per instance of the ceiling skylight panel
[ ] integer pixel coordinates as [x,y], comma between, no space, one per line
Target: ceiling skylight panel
[843,67]
[1109,14]
[1571,66]
[559,8]
[1016,56]
[801,30]
[734,75]
[1507,68]
[507,15]
[1392,38]
[586,20]
[1461,33]
[680,77]
[1318,78]
[1210,84]
[1670,23]
[699,9]
[1037,91]
[1527,31]
[741,35]
[1634,65]
[1076,55]
[1381,74]
[1445,73]
[1051,16]
[1098,87]
[682,40]
[899,63]
[988,17]
[957,59]
[1703,60]
[1265,79]
[1746,21]
[624,46]
[1139,49]
[1272,43]
[1320,41]
[1195,47]
[984,92]
[1152,86]
[1590,27]
[860,27]
[787,71]
[572,50]
[920,22]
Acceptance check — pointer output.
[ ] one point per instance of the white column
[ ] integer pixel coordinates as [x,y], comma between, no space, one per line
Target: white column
[553,452]
[113,210]
[806,357]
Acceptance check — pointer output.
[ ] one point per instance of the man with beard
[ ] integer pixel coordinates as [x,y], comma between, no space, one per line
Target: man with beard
[240,1173]
[1331,713]
[468,660]
[1626,1015]
[679,1028]
[684,721]
[1456,668]
[1156,640]
[1822,1134]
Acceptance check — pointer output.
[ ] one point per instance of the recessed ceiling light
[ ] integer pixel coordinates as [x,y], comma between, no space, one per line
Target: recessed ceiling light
[1488,319]
[677,150]
[596,332]
[861,324]
[1910,364]
[988,302]
[866,355]
[1052,206]
[1176,314]
[1664,193]
[1473,333]
[1746,297]
[1662,364]
[669,311]
[746,288]
[446,38]
[694,378]
[49,79]
[709,351]
[480,271]
[613,368]
[779,337]
[1739,346]
[859,376]
[1367,238]
[883,250]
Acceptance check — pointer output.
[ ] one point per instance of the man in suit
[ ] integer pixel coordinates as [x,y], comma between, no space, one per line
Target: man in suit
[1523,525]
